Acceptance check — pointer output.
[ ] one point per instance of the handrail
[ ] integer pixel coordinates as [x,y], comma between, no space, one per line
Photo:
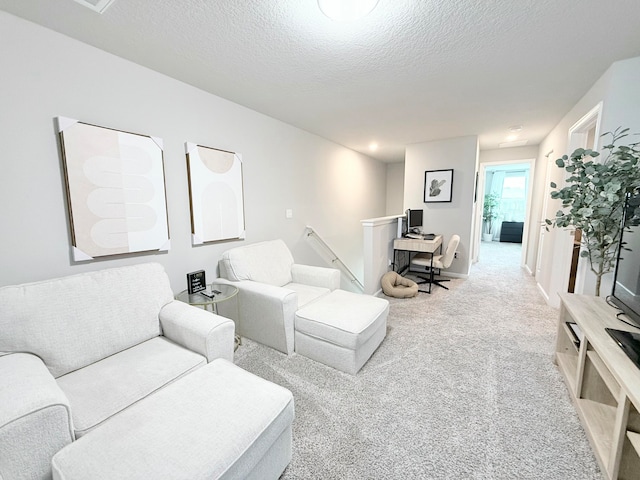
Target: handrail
[335,259]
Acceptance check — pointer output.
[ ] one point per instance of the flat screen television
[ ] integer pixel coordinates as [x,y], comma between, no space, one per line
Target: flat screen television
[626,282]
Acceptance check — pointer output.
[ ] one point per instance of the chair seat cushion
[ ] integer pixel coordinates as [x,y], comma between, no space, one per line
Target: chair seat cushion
[102,389]
[217,422]
[395,285]
[342,318]
[422,259]
[306,293]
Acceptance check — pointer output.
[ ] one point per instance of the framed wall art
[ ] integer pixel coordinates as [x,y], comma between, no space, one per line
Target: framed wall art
[216,194]
[115,190]
[438,186]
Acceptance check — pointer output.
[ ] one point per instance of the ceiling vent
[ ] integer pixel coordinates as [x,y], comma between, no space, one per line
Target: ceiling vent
[96,5]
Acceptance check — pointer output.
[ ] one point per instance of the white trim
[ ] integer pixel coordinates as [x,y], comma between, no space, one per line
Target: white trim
[453,275]
[480,205]
[542,228]
[577,139]
[374,222]
[579,129]
[543,293]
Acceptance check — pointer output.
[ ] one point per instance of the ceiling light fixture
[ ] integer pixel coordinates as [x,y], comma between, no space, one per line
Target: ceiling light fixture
[373,146]
[346,10]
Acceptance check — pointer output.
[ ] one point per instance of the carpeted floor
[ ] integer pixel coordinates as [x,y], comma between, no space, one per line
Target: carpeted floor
[462,387]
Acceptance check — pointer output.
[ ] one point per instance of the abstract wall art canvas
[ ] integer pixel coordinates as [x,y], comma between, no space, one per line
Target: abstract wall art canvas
[115,190]
[215,194]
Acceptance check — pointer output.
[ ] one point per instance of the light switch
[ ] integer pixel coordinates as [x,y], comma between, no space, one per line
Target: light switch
[289,213]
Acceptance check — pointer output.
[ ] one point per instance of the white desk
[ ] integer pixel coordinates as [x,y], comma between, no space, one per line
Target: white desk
[416,245]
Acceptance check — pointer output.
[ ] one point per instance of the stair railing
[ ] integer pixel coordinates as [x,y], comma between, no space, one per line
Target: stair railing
[335,260]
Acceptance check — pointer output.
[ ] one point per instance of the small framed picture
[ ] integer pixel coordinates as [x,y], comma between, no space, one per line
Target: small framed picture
[438,186]
[196,282]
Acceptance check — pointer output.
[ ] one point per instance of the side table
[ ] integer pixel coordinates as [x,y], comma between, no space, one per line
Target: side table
[222,292]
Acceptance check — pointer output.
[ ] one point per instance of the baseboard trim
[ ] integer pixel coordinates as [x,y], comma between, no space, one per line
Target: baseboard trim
[543,293]
[442,273]
[527,269]
[454,275]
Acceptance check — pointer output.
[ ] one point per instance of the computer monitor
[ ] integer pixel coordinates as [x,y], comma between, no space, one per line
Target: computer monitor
[414,219]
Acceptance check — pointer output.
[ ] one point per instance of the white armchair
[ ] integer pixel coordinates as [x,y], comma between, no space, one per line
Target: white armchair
[271,289]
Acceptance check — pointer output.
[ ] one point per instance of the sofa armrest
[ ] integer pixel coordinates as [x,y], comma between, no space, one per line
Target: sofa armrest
[198,330]
[265,313]
[316,276]
[35,418]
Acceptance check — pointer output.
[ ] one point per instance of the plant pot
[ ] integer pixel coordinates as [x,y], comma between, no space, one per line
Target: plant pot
[487,237]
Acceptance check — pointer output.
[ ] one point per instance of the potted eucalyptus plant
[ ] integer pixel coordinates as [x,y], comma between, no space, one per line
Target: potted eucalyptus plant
[489,213]
[593,199]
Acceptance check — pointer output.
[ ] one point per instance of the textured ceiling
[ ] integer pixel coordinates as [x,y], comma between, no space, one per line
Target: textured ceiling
[411,71]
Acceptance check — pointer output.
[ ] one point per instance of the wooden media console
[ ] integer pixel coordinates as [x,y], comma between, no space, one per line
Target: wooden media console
[604,384]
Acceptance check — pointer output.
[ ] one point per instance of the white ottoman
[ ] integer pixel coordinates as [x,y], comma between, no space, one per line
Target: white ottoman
[216,422]
[341,329]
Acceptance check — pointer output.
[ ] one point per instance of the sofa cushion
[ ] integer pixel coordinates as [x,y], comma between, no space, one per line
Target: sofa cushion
[343,318]
[265,262]
[101,390]
[217,422]
[306,293]
[74,321]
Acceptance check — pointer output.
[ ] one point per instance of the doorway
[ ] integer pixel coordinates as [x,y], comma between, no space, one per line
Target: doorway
[508,184]
[584,134]
[567,271]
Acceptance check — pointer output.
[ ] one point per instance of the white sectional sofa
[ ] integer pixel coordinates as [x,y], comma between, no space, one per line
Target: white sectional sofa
[77,353]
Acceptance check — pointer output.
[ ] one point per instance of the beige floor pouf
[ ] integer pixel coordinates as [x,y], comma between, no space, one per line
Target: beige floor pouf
[341,329]
[397,286]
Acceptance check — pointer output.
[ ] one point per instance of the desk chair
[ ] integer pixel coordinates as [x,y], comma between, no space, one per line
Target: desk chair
[438,262]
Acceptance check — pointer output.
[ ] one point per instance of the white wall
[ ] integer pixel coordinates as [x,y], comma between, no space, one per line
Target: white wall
[456,217]
[46,75]
[619,92]
[508,154]
[395,188]
[379,234]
